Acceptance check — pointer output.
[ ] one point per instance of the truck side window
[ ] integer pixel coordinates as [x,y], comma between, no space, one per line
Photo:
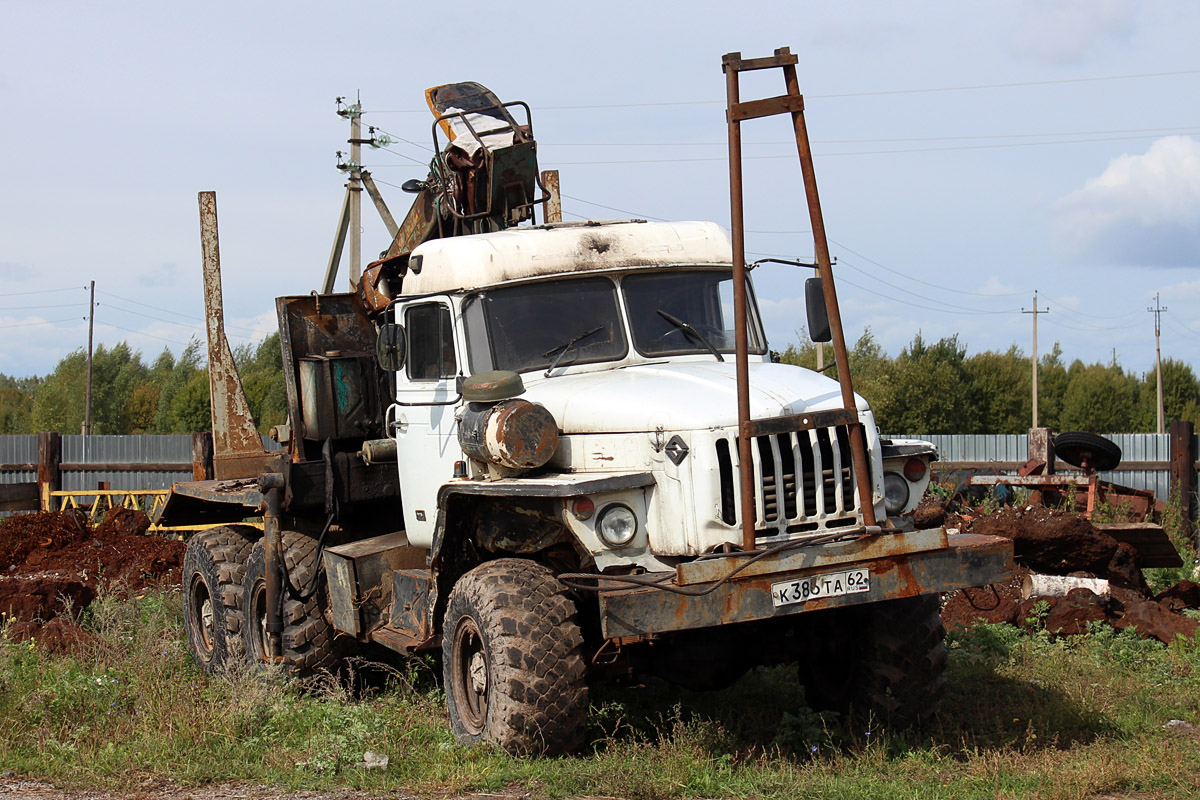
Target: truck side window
[430,342]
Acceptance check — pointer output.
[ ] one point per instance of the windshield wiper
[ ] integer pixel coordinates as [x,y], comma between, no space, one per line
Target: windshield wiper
[691,331]
[563,349]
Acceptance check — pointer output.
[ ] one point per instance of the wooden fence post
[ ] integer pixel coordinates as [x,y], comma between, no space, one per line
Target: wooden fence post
[1041,447]
[1183,466]
[202,456]
[49,459]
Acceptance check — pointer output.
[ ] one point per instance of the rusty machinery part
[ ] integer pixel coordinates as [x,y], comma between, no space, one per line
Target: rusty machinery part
[310,645]
[1088,451]
[512,657]
[579,580]
[515,434]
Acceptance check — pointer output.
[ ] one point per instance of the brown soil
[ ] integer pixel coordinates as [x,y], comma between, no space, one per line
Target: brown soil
[1061,543]
[53,564]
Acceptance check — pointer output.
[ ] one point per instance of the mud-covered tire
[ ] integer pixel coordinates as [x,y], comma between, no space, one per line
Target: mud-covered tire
[513,660]
[214,568]
[311,645]
[1075,447]
[886,660]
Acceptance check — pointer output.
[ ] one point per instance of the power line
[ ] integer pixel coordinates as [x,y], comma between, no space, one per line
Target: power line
[874,93]
[44,291]
[1151,131]
[792,156]
[613,208]
[168,311]
[151,335]
[26,308]
[43,322]
[918,280]
[961,309]
[195,328]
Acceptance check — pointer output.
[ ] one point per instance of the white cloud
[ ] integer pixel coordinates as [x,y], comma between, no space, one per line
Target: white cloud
[1063,31]
[995,287]
[1142,210]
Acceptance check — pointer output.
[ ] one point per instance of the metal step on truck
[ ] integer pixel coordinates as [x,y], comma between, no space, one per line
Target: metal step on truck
[563,452]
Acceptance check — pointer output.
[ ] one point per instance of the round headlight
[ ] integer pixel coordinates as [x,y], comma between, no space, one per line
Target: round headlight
[617,525]
[895,492]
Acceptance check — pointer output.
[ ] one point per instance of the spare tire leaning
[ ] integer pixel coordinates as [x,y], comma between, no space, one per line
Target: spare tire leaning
[1078,447]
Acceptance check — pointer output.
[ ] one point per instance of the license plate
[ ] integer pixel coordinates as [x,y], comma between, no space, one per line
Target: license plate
[832,584]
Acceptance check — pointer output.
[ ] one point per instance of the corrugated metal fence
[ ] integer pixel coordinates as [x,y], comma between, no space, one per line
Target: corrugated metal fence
[90,462]
[1135,447]
[101,450]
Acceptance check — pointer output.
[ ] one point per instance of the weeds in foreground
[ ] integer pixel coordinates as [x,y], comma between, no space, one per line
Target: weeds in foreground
[1025,716]
[1182,533]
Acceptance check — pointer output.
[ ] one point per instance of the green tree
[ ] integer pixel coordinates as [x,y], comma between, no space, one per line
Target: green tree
[1181,396]
[60,402]
[1099,398]
[189,411]
[1002,384]
[172,376]
[930,390]
[1052,388]
[261,370]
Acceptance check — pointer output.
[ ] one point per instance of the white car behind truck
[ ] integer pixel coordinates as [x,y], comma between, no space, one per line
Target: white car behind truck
[519,445]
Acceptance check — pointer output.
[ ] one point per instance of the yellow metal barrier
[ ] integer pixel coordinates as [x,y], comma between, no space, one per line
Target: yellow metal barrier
[98,502]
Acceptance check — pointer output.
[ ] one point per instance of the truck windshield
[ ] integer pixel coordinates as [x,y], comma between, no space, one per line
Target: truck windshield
[532,326]
[684,312]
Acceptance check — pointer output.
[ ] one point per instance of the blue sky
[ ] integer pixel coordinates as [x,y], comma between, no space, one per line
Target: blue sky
[967,154]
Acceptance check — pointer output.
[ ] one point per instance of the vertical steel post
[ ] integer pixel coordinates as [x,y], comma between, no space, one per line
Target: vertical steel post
[729,63]
[553,211]
[272,485]
[858,442]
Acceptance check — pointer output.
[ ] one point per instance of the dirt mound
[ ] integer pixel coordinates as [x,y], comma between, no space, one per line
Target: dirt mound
[52,564]
[1056,542]
[1050,541]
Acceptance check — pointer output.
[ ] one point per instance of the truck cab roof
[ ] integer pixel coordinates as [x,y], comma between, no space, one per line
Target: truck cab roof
[463,263]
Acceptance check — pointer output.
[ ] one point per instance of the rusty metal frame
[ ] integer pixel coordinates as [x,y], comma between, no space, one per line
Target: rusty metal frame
[517,131]
[237,448]
[737,111]
[968,560]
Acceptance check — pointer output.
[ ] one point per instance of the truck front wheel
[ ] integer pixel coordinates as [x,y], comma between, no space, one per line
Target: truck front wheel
[214,567]
[512,660]
[885,659]
[310,642]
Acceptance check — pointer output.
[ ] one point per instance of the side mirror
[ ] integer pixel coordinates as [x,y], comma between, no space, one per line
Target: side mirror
[818,315]
[391,347]
[413,186]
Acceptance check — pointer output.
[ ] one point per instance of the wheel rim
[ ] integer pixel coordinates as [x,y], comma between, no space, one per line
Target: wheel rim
[470,675]
[200,620]
[257,622]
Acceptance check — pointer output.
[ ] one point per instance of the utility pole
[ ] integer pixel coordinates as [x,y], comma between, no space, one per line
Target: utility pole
[354,114]
[87,407]
[350,220]
[1157,311]
[1035,313]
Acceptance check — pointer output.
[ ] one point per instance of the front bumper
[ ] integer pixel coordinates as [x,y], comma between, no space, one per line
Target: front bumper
[900,565]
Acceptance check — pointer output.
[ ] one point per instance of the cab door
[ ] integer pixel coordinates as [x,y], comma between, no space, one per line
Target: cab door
[426,399]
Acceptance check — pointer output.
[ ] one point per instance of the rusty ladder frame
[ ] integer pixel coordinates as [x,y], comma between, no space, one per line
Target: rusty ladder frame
[736,112]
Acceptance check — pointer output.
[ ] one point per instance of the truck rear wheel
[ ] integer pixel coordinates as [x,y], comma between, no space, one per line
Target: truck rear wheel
[214,567]
[310,642]
[512,660]
[884,659]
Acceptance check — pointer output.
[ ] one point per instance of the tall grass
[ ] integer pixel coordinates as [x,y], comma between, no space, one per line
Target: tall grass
[1026,716]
